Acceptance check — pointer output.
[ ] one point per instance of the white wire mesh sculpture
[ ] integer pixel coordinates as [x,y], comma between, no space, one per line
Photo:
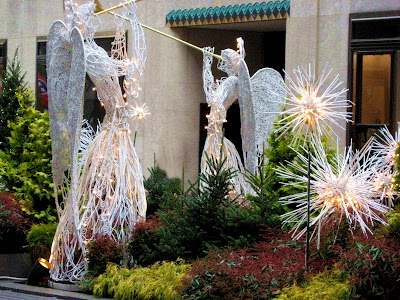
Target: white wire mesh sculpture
[105,194]
[220,95]
[258,109]
[340,189]
[66,79]
[260,101]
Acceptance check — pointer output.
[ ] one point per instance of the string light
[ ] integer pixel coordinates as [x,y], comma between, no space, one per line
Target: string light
[139,112]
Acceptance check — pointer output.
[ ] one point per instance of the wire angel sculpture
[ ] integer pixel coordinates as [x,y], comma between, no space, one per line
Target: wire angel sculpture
[103,193]
[220,95]
[260,101]
[258,110]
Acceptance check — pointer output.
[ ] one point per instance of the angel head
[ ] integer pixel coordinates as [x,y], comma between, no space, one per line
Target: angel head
[231,58]
[82,17]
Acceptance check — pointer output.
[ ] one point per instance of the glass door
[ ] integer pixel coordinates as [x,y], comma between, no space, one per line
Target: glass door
[373,87]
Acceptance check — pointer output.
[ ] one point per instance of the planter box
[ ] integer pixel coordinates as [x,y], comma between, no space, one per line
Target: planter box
[15,265]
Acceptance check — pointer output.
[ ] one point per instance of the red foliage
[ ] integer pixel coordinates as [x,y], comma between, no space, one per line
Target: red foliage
[12,214]
[103,249]
[253,273]
[374,263]
[14,224]
[150,225]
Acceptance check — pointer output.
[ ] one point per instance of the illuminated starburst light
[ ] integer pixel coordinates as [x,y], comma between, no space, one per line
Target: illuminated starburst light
[312,104]
[139,112]
[342,188]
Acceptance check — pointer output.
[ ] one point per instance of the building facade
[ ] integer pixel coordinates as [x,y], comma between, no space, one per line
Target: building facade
[359,39]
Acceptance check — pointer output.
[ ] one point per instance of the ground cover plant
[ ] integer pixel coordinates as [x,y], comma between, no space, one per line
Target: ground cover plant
[163,280]
[248,273]
[327,285]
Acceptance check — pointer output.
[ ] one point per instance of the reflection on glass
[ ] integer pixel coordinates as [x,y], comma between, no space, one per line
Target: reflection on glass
[353,95]
[375,93]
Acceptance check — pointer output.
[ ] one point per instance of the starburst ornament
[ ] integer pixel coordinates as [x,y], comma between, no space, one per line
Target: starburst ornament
[139,112]
[339,189]
[312,105]
[384,186]
[385,146]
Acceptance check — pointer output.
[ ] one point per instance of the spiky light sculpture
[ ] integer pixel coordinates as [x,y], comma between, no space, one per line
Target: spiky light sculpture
[384,186]
[139,112]
[312,105]
[385,146]
[341,189]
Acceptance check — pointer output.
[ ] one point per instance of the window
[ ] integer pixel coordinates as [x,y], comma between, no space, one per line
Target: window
[42,99]
[374,72]
[92,111]
[3,58]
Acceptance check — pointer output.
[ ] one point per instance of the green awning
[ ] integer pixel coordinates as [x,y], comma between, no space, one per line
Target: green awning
[259,11]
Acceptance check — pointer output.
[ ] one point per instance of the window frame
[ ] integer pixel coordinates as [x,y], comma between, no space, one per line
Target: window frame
[88,83]
[3,59]
[372,46]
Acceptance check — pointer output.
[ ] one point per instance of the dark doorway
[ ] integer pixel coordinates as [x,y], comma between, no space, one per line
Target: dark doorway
[231,127]
[274,50]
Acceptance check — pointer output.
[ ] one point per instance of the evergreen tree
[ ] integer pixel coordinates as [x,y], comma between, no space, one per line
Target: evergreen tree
[25,168]
[8,100]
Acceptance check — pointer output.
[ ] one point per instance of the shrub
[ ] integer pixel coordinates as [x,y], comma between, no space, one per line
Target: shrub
[204,218]
[160,281]
[103,249]
[40,238]
[162,191]
[265,200]
[374,264]
[144,241]
[25,168]
[393,230]
[328,285]
[9,104]
[253,273]
[14,224]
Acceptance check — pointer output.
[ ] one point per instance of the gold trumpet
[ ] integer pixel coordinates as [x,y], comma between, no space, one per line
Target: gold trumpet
[100,10]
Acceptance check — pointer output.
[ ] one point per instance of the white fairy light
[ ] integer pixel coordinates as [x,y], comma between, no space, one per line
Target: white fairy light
[310,106]
[139,112]
[341,189]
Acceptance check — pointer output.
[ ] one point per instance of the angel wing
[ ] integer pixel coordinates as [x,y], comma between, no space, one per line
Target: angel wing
[248,127]
[258,109]
[66,82]
[267,99]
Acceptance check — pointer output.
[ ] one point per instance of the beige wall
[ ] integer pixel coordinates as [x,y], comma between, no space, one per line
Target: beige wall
[317,32]
[172,84]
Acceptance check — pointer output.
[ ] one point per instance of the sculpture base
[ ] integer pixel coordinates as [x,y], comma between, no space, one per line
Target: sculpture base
[69,287]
